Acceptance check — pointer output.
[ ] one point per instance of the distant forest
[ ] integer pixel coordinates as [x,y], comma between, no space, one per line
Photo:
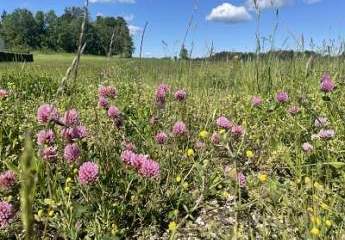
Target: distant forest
[23,30]
[277,54]
[281,54]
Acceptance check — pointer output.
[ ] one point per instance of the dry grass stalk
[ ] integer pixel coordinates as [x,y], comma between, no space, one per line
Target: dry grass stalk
[81,47]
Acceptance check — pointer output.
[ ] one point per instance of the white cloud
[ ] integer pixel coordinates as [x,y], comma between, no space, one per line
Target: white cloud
[99,14]
[312,1]
[129,17]
[133,30]
[263,4]
[228,13]
[112,1]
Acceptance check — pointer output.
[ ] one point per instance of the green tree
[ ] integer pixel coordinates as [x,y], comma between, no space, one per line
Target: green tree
[19,29]
[50,39]
[122,44]
[40,28]
[105,27]
[184,53]
[93,41]
[68,29]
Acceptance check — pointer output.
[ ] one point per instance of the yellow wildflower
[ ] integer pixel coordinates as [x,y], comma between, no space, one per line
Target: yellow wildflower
[328,223]
[249,154]
[262,177]
[318,186]
[226,194]
[190,152]
[178,179]
[51,213]
[315,220]
[324,206]
[49,202]
[40,213]
[172,226]
[67,189]
[203,134]
[9,198]
[315,231]
[222,131]
[114,229]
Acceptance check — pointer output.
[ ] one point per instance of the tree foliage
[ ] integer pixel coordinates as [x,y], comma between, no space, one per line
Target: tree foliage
[184,53]
[21,29]
[277,54]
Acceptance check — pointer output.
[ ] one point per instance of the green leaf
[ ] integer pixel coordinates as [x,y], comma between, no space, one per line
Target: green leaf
[12,167]
[335,164]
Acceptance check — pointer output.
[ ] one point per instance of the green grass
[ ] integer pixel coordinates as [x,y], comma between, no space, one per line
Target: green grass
[302,191]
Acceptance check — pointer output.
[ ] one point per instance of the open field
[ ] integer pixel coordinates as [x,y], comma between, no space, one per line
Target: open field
[275,170]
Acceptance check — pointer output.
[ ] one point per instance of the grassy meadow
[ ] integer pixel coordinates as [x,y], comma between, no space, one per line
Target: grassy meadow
[256,179]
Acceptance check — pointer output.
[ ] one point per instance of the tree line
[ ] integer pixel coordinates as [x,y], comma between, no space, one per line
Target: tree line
[247,56]
[275,54]
[23,30]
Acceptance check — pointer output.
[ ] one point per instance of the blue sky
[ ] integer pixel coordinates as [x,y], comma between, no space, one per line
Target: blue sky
[230,25]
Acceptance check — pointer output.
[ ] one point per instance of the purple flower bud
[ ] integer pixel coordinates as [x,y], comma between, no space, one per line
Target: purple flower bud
[74,133]
[321,122]
[47,113]
[326,134]
[149,168]
[111,91]
[102,91]
[107,91]
[128,156]
[200,145]
[113,112]
[103,102]
[71,118]
[45,137]
[282,97]
[3,93]
[49,153]
[223,122]
[71,152]
[161,137]
[237,131]
[181,95]
[293,110]
[215,138]
[88,173]
[7,179]
[307,147]
[256,101]
[6,214]
[327,85]
[241,178]
[179,128]
[138,161]
[161,93]
[127,145]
